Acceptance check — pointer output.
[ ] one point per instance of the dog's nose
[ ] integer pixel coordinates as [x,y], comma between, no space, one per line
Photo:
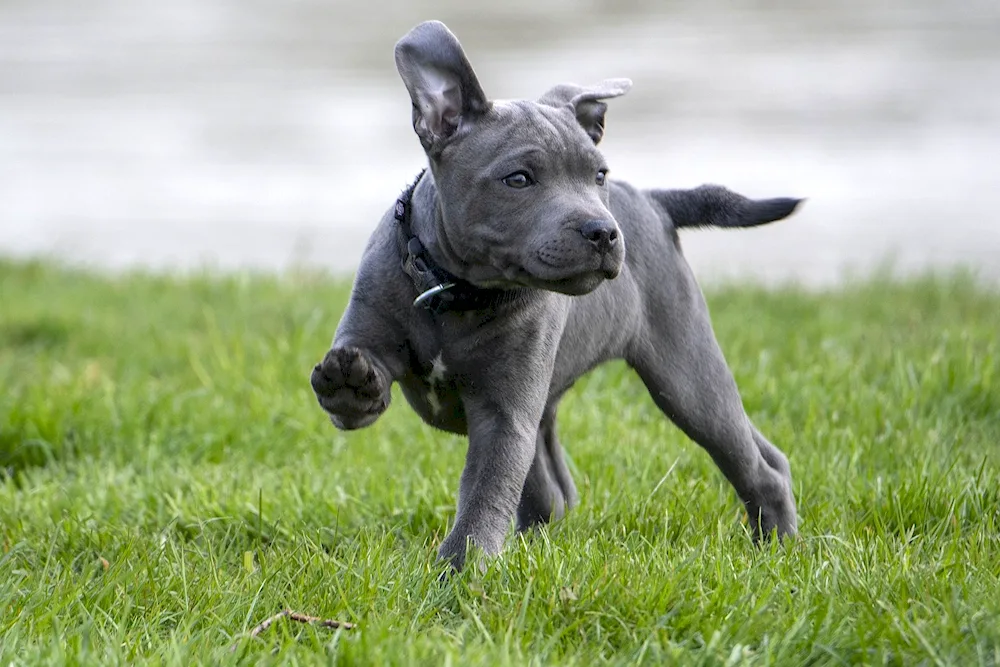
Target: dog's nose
[601,233]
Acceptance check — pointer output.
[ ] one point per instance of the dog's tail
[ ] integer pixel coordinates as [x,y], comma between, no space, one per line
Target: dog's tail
[715,206]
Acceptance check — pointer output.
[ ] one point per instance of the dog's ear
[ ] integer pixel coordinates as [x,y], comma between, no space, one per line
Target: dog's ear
[442,85]
[586,102]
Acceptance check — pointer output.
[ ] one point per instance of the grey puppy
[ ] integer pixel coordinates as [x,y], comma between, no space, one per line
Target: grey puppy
[501,277]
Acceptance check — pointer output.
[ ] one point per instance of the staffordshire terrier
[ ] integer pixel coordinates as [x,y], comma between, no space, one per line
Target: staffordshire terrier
[501,276]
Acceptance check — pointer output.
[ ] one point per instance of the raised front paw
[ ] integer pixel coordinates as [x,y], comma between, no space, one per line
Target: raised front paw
[350,387]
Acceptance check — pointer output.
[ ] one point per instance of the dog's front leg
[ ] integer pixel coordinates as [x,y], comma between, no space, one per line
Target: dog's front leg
[501,448]
[352,382]
[506,387]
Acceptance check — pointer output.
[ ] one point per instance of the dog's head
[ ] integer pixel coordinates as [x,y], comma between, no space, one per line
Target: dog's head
[522,187]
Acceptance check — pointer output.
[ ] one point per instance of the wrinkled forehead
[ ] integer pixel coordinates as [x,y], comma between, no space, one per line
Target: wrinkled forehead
[526,123]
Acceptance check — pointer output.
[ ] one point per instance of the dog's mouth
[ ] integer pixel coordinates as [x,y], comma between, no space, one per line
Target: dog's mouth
[573,281]
[577,285]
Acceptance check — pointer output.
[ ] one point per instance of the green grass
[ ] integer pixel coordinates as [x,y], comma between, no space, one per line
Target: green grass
[166,426]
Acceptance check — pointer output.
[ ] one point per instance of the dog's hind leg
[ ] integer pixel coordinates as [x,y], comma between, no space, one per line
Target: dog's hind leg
[681,364]
[559,468]
[549,490]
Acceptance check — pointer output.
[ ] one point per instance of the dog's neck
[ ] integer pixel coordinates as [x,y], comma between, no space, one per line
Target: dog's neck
[427,260]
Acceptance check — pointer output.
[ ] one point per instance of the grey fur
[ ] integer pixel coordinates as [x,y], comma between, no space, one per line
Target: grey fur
[576,299]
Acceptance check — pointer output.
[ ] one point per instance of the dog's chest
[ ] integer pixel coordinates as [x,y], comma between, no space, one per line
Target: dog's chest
[433,393]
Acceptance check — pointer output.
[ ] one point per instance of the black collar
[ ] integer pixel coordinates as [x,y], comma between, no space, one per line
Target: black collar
[438,290]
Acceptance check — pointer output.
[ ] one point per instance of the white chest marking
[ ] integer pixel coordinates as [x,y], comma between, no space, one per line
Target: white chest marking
[437,370]
[432,400]
[436,376]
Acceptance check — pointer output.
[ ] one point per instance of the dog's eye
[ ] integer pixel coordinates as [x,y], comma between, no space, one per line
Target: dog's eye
[518,180]
[602,176]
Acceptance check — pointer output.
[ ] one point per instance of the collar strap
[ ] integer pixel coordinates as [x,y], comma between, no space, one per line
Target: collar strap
[437,289]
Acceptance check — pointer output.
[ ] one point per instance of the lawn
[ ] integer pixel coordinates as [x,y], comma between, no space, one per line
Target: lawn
[167,482]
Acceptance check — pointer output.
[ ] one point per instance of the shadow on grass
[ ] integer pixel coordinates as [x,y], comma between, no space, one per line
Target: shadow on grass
[20,449]
[19,452]
[45,332]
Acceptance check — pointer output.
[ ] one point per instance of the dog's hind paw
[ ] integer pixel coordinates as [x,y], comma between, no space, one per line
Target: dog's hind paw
[351,388]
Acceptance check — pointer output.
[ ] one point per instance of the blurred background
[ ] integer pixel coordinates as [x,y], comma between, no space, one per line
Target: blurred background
[269,134]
